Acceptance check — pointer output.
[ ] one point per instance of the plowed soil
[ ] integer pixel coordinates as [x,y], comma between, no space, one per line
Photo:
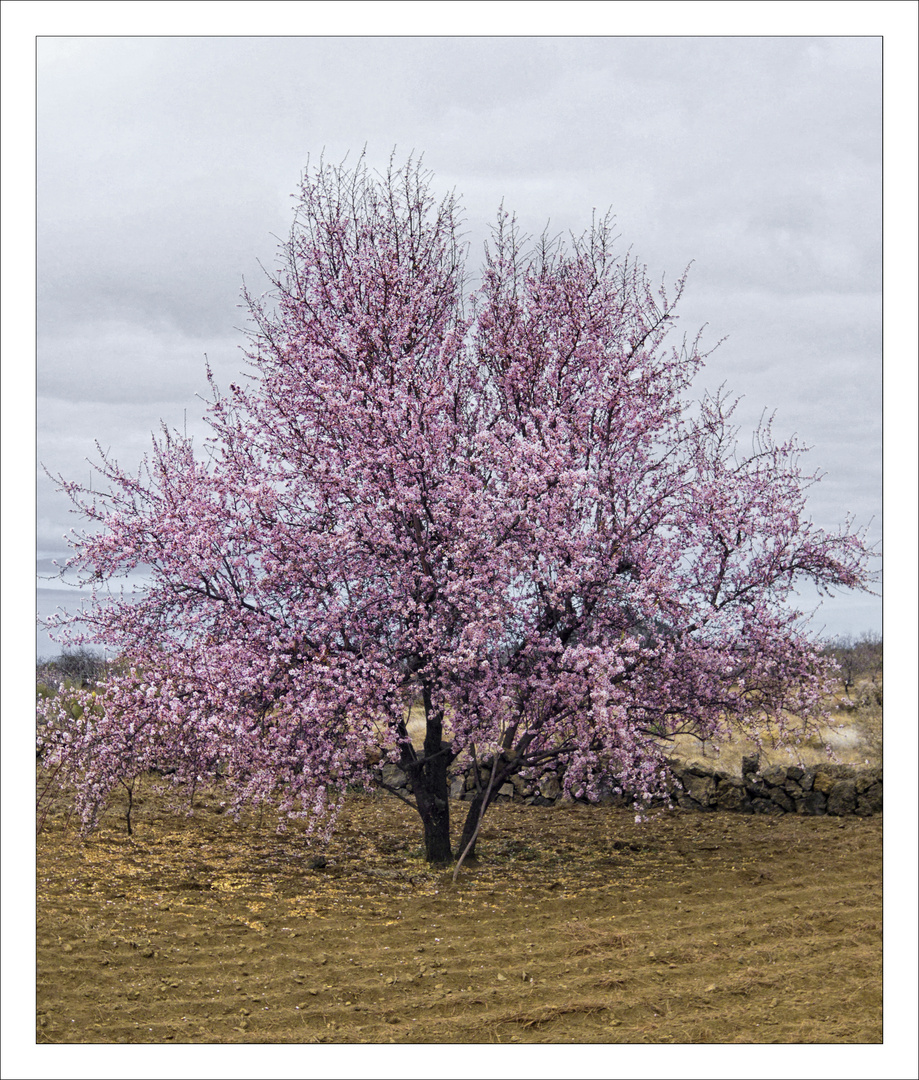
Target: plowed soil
[576,925]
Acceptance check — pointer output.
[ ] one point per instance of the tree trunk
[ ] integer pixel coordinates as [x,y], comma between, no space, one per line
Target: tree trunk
[498,772]
[431,788]
[435,815]
[470,826]
[477,809]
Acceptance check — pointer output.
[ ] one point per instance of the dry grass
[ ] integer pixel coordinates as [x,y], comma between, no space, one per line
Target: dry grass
[856,737]
[586,940]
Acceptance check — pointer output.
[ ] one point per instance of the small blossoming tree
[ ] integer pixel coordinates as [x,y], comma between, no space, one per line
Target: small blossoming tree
[504,507]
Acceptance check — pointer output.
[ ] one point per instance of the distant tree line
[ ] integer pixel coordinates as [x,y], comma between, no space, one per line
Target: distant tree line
[859,658]
[82,668]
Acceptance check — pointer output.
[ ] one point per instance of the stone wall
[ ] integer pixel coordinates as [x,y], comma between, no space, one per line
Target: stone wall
[776,789]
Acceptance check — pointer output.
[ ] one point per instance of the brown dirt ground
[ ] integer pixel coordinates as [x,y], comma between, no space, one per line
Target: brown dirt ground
[576,925]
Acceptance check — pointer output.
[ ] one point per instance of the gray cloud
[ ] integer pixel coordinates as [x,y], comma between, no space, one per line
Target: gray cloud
[166,164]
[97,361]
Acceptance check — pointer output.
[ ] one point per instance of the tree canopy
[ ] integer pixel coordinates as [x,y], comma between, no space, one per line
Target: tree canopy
[504,505]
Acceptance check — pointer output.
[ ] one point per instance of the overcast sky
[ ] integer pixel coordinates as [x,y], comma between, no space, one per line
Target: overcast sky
[166,164]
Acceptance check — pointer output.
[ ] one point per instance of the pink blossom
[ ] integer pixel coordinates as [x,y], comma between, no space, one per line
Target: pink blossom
[505,509]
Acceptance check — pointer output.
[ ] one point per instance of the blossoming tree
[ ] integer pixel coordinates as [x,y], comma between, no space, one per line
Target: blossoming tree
[504,507]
